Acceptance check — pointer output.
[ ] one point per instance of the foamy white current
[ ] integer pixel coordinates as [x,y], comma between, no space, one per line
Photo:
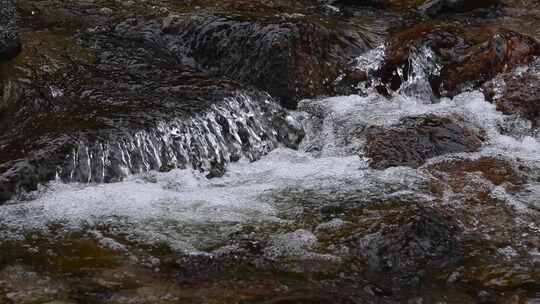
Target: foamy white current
[191,212]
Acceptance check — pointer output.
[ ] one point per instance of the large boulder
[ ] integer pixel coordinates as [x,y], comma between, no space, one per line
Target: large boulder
[10,44]
[416,139]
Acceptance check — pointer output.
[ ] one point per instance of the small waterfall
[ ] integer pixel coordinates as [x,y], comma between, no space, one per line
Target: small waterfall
[241,126]
[421,68]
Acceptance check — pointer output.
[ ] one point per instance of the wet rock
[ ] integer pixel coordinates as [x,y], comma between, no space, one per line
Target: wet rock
[504,51]
[452,58]
[497,171]
[407,242]
[25,285]
[429,7]
[106,11]
[384,4]
[96,87]
[10,43]
[299,298]
[415,139]
[475,181]
[435,7]
[348,84]
[516,95]
[89,86]
[217,169]
[330,227]
[260,6]
[9,94]
[290,58]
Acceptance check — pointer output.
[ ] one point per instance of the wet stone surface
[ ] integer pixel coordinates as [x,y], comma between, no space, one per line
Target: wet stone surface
[450,58]
[10,44]
[516,95]
[415,139]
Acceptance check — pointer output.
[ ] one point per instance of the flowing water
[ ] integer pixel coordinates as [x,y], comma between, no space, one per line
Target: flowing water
[266,184]
[240,126]
[328,160]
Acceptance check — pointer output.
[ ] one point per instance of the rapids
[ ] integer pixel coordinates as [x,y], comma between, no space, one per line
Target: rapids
[192,213]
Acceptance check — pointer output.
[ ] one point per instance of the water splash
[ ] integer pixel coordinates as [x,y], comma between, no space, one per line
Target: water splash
[190,212]
[421,67]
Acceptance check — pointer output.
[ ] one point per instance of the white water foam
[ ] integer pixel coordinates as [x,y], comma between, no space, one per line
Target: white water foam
[183,206]
[333,125]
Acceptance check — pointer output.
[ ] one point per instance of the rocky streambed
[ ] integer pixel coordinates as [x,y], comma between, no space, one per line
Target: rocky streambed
[204,151]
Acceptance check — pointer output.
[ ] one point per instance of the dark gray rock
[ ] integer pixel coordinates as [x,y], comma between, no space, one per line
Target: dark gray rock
[416,139]
[10,43]
[436,7]
[123,96]
[410,241]
[518,95]
[289,58]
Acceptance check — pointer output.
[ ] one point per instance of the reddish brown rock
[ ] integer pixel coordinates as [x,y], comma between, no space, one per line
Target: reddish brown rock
[519,94]
[474,179]
[468,56]
[497,171]
[504,51]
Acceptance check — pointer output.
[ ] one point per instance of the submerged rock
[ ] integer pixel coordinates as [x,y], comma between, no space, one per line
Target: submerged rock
[10,43]
[99,94]
[429,7]
[260,6]
[416,139]
[295,252]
